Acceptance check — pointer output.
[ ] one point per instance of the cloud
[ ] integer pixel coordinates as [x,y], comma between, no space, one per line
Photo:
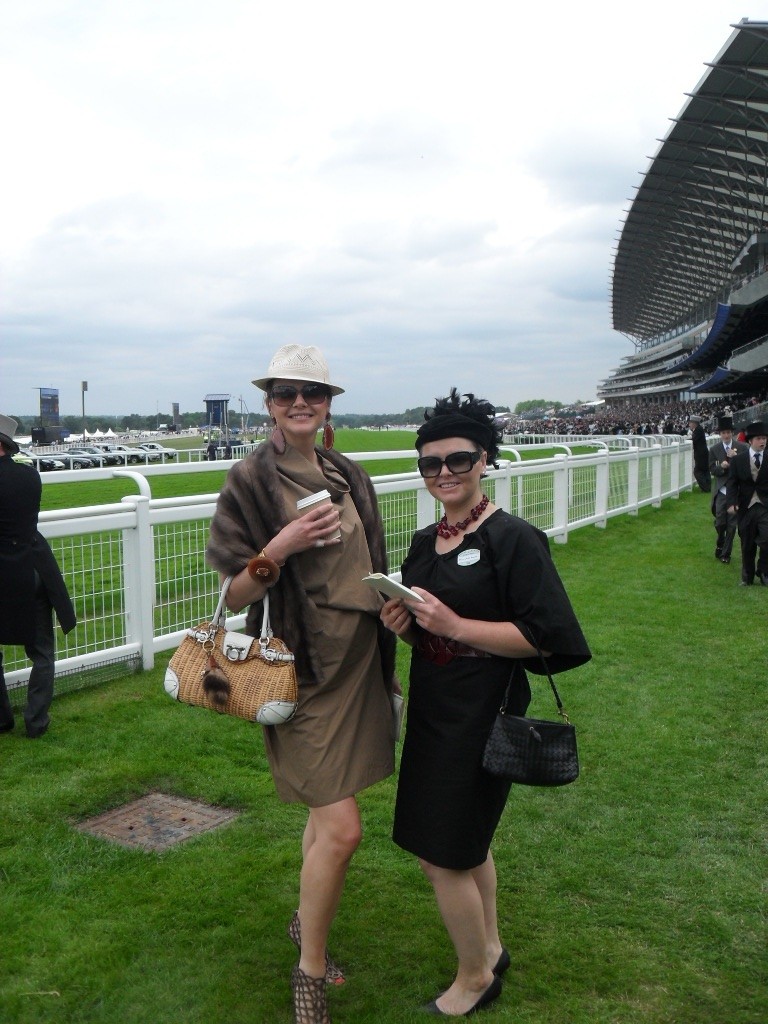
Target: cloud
[429,193]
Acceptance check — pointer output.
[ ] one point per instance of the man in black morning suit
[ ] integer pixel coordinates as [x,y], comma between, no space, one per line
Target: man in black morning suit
[720,455]
[747,496]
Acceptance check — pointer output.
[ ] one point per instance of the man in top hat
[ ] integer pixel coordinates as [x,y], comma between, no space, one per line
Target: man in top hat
[700,454]
[31,586]
[720,455]
[747,497]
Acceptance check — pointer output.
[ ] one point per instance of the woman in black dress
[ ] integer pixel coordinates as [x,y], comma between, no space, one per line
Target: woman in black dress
[488,584]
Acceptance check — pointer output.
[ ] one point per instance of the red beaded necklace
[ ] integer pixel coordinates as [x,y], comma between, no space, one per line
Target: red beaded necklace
[444,528]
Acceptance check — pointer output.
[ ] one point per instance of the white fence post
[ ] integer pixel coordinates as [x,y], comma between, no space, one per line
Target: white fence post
[687,451]
[656,464]
[503,488]
[560,490]
[674,471]
[139,564]
[633,481]
[425,508]
[602,489]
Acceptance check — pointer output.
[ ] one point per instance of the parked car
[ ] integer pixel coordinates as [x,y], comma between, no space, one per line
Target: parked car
[130,455]
[23,457]
[105,458]
[154,447]
[76,458]
[45,463]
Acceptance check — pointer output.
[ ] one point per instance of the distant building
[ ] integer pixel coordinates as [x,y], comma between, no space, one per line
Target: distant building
[690,274]
[217,413]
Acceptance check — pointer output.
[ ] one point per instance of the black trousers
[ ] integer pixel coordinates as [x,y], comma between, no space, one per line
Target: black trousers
[42,653]
[753,531]
[703,479]
[725,524]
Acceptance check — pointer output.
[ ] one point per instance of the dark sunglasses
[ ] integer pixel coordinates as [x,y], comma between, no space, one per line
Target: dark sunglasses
[457,462]
[286,394]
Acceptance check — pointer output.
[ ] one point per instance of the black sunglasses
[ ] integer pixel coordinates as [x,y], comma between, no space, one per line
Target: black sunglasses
[457,462]
[286,394]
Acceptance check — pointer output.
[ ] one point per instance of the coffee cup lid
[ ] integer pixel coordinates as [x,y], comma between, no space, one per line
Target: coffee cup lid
[313,499]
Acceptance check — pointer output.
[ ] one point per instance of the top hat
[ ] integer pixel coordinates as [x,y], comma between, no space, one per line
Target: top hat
[8,428]
[299,362]
[757,429]
[725,422]
[695,419]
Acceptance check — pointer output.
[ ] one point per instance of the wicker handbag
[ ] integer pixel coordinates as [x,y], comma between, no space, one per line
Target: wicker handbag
[249,677]
[533,751]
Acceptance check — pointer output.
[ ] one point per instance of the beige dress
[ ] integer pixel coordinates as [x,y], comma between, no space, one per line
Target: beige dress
[341,739]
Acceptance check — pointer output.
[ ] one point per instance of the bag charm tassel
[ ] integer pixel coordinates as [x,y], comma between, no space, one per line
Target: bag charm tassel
[215,683]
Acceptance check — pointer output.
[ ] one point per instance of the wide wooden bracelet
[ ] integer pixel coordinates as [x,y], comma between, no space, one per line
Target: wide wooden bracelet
[264,569]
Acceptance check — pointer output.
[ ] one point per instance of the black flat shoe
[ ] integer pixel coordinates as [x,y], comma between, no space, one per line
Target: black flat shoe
[503,963]
[492,992]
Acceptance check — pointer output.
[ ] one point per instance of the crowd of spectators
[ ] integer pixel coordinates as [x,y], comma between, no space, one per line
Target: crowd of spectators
[640,418]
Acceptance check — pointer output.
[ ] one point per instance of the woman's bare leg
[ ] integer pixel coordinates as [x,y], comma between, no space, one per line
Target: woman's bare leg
[485,879]
[332,835]
[461,907]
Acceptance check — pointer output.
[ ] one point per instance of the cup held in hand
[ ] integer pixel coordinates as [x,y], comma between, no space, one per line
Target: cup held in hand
[311,501]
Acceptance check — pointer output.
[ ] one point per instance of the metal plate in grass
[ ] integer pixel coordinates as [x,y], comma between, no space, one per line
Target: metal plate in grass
[157,821]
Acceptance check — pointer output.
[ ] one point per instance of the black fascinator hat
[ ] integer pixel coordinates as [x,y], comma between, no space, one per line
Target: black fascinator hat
[462,416]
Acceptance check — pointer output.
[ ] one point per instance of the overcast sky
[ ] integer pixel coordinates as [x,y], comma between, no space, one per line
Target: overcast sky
[429,191]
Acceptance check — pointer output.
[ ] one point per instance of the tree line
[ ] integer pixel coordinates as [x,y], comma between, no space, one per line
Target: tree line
[192,420]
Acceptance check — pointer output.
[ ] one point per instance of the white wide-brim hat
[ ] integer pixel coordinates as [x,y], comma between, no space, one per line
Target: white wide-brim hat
[299,362]
[8,428]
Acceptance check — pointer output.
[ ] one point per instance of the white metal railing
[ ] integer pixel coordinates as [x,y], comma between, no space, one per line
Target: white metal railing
[136,568]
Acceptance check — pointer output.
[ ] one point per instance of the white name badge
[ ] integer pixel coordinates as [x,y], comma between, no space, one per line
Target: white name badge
[468,557]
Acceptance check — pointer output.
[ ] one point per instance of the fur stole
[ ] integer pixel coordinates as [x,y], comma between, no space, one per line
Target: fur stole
[250,512]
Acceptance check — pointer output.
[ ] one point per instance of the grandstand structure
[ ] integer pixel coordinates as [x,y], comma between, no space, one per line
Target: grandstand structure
[690,272]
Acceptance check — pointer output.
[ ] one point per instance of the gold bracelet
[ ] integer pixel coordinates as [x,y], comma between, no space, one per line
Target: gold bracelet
[264,569]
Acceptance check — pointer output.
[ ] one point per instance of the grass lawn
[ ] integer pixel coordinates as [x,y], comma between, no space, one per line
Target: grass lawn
[635,895]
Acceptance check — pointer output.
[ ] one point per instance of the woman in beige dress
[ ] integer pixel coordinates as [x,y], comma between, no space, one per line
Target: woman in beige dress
[341,739]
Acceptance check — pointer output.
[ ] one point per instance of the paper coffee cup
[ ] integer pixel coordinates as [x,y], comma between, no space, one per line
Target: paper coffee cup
[320,498]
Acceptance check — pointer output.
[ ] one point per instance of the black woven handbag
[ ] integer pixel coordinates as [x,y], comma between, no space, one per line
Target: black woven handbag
[532,751]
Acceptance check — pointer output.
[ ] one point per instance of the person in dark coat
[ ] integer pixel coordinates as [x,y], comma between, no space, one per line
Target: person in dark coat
[31,586]
[700,454]
[747,497]
[747,494]
[720,456]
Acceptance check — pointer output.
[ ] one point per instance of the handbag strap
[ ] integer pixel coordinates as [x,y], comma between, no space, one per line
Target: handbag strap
[266,629]
[220,615]
[534,643]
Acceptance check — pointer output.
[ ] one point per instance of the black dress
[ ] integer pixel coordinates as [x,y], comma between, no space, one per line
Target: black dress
[447,807]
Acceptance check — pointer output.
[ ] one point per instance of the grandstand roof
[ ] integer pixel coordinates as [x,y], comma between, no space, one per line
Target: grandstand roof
[702,198]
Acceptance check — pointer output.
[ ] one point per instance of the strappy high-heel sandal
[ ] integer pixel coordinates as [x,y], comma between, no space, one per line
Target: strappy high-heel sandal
[333,973]
[309,1006]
